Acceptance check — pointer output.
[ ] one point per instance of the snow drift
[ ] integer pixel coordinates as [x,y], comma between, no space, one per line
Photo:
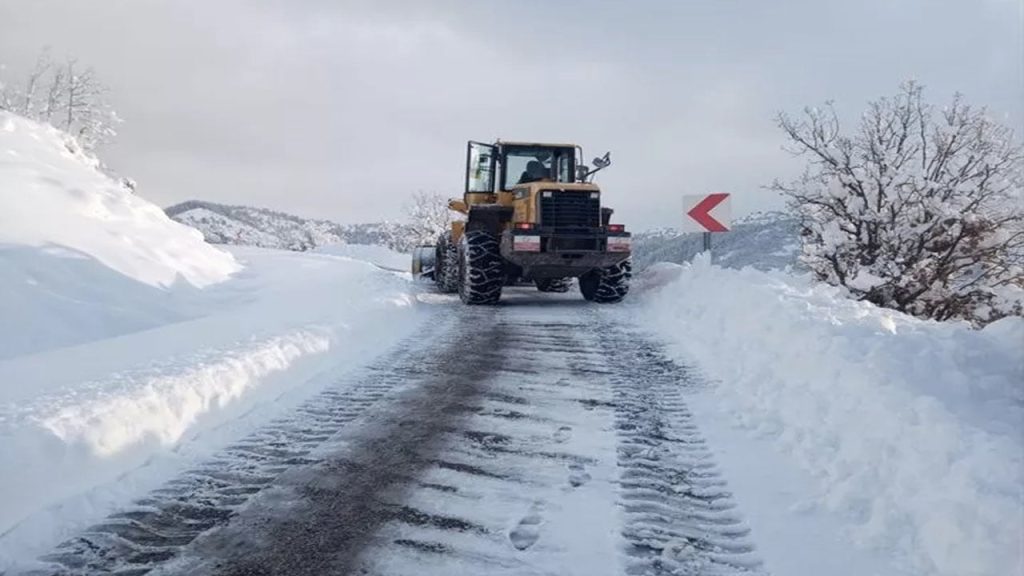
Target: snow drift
[911,429]
[381,256]
[87,428]
[81,257]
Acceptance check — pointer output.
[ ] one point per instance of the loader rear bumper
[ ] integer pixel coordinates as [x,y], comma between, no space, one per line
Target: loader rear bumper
[559,254]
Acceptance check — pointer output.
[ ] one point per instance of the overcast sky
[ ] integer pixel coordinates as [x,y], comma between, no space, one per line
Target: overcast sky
[343,109]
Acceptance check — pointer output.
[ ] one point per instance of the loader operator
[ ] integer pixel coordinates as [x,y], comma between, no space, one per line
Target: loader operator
[535,172]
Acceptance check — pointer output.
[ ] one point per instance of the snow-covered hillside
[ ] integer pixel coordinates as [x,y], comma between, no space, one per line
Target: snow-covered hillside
[248,226]
[910,433]
[81,257]
[765,241]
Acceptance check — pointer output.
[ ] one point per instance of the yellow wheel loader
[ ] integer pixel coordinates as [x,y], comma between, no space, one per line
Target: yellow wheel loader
[533,213]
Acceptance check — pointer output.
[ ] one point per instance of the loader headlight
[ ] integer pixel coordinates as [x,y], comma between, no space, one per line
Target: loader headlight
[594,195]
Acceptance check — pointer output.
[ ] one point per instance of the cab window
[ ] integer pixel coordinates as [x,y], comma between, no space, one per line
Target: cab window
[529,164]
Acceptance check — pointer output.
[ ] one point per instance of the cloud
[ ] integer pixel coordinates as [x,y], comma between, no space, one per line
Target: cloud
[344,109]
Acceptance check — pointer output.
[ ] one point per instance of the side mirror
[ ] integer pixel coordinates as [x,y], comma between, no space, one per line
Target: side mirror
[604,161]
[582,172]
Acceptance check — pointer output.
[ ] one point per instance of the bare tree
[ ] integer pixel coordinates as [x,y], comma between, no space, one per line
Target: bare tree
[429,216]
[54,95]
[44,65]
[66,96]
[86,115]
[6,98]
[919,210]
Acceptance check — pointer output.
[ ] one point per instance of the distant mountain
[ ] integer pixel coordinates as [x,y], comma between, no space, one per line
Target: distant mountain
[764,240]
[248,226]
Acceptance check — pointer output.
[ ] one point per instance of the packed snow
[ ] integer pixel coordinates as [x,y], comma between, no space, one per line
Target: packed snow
[81,257]
[910,433]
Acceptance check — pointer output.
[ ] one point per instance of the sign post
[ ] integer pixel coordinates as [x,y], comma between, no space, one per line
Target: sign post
[707,213]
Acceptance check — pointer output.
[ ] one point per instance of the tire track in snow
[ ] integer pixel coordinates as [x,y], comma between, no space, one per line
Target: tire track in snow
[131,542]
[679,514]
[317,517]
[538,439]
[534,459]
[674,513]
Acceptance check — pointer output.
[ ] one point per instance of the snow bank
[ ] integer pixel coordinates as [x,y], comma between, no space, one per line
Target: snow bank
[381,256]
[912,429]
[59,444]
[130,348]
[52,194]
[66,229]
[88,428]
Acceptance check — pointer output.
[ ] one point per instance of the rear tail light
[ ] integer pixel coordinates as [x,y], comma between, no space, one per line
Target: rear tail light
[524,225]
[616,228]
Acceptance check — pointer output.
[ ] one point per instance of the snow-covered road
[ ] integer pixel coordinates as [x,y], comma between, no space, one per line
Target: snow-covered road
[542,436]
[539,437]
[169,406]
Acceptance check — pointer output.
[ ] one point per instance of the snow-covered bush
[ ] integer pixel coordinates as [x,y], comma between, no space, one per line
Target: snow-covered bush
[429,216]
[919,210]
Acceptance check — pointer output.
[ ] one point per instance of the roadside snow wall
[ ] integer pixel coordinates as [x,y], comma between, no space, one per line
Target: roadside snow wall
[81,257]
[87,429]
[912,429]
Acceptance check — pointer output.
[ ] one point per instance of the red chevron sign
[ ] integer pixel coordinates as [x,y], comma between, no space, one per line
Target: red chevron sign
[707,213]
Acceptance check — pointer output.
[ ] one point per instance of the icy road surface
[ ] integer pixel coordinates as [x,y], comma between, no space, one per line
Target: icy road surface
[537,437]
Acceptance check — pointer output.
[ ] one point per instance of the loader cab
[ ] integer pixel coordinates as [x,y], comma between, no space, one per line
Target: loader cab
[501,166]
[522,164]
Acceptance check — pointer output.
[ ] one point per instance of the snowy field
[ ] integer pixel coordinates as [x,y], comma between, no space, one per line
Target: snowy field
[840,422]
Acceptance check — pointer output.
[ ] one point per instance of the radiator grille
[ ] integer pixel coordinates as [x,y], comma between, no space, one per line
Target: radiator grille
[566,209]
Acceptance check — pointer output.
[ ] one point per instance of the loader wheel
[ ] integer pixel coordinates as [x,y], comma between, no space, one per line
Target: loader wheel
[446,265]
[608,285]
[481,268]
[553,284]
